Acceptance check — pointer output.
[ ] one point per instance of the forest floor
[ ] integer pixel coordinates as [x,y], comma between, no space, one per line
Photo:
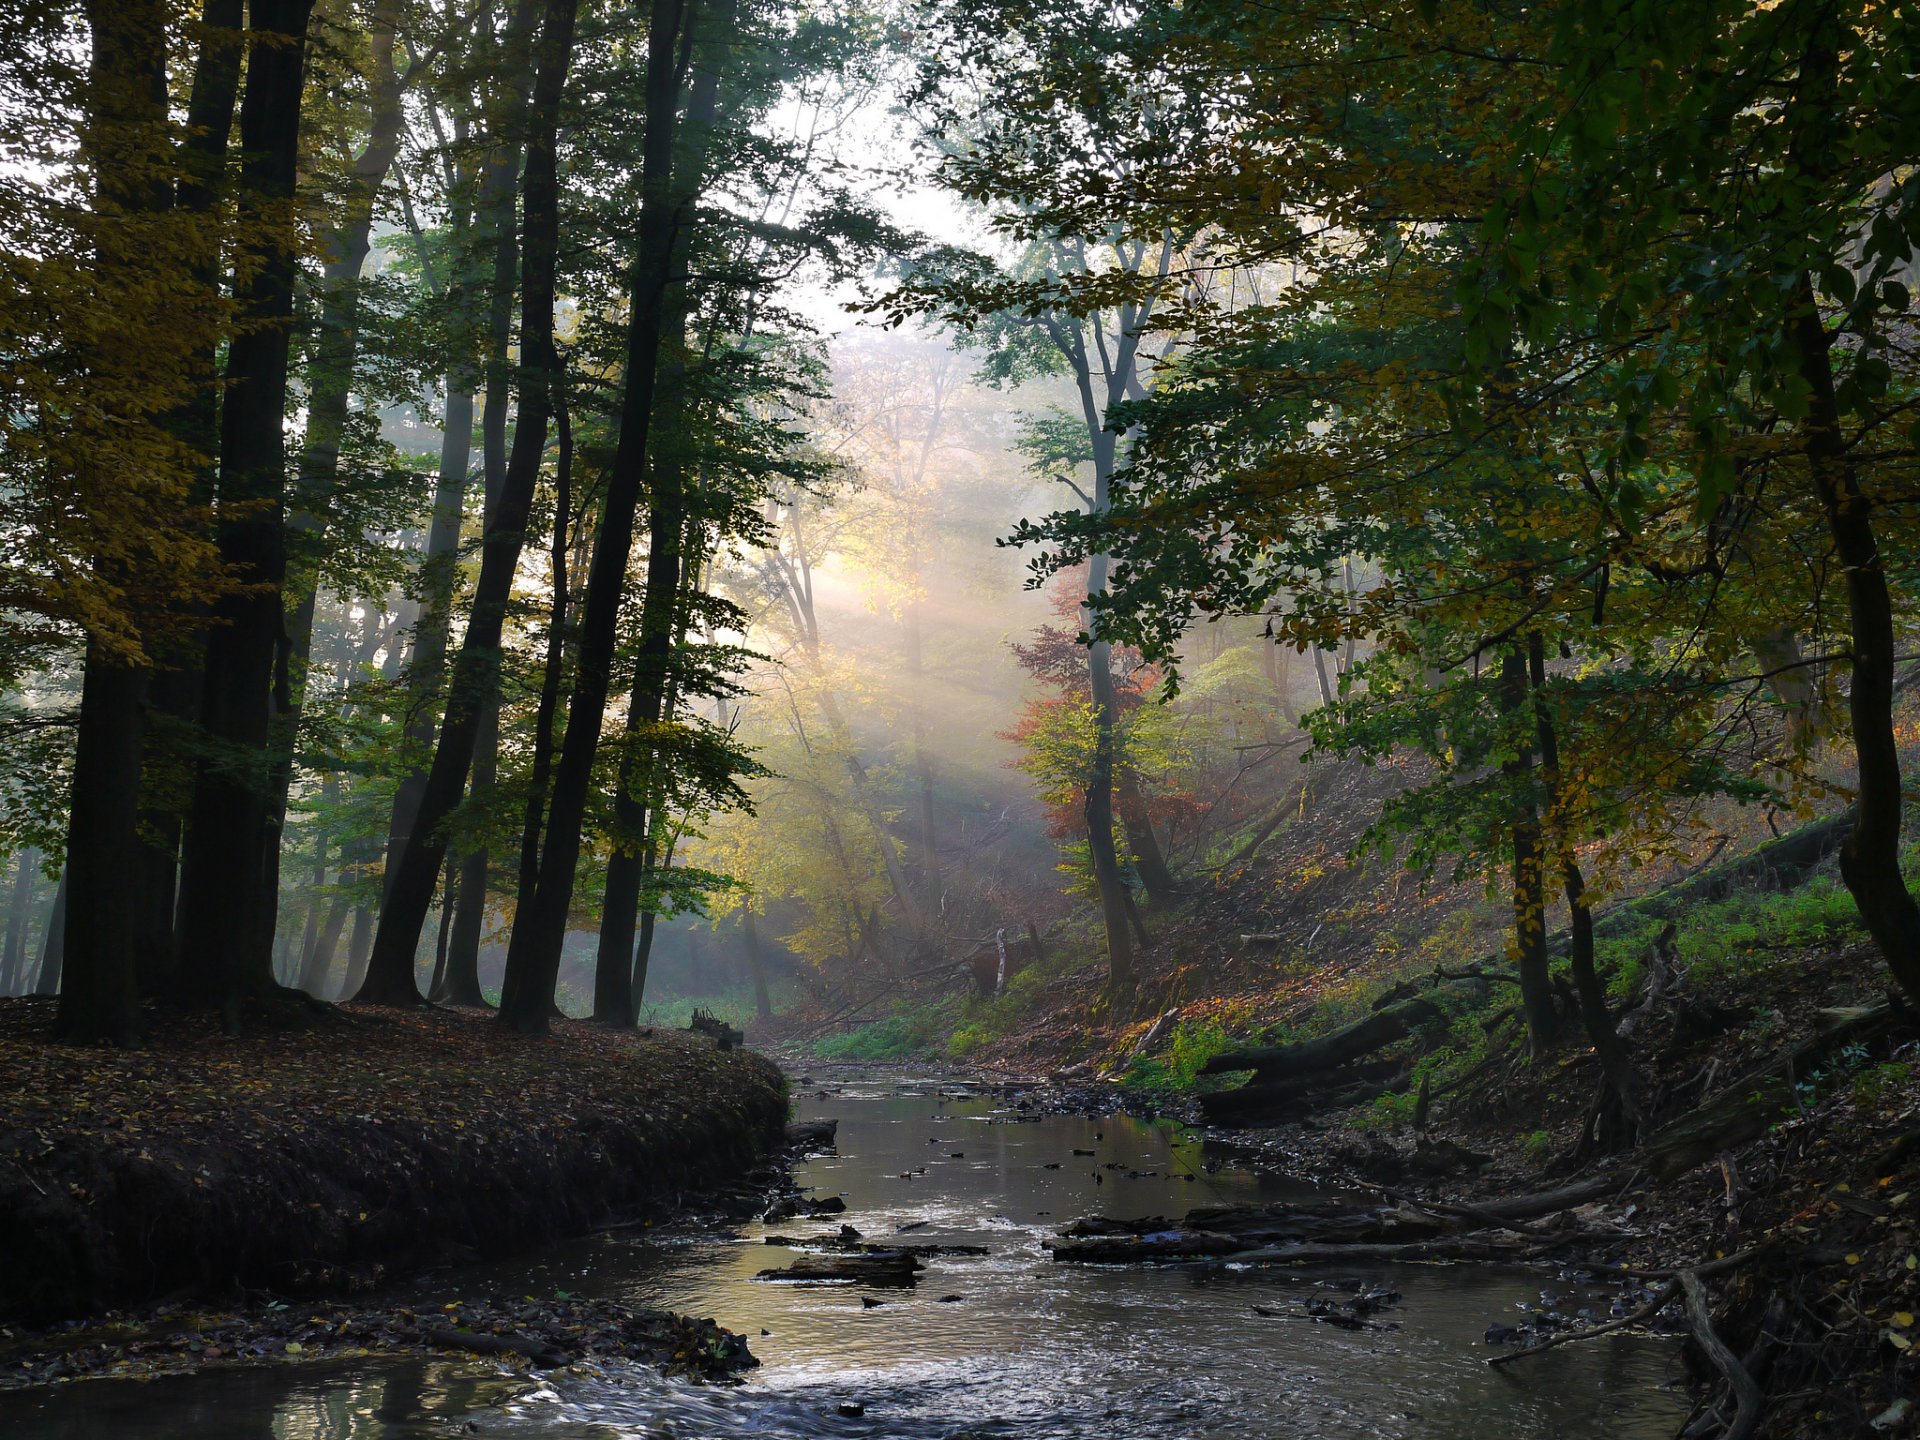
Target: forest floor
[201,1181]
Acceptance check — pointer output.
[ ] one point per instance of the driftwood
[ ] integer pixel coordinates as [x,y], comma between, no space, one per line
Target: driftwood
[890,1268]
[1216,1231]
[1328,1052]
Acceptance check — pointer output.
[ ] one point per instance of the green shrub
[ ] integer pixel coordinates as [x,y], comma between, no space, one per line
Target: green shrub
[1177,1070]
[912,1034]
[966,1040]
[1537,1147]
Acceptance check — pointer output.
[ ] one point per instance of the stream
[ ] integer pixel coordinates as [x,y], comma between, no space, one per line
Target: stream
[1005,1344]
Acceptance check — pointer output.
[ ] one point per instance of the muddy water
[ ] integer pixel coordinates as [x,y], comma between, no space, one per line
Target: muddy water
[1005,1344]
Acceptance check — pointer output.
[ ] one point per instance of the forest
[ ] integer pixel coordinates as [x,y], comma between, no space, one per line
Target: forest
[1323,584]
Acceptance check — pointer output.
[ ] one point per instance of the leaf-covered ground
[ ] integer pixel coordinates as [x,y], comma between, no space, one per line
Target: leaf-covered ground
[328,1158]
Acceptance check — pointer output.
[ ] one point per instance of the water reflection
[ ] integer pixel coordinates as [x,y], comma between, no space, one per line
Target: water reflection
[1005,1344]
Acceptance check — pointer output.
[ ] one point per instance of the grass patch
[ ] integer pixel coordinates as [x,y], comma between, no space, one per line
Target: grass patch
[917,1033]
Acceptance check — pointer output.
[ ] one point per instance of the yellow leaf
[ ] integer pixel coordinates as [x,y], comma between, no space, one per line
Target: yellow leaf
[1898,1341]
[1903,1318]
[294,1347]
[1853,1259]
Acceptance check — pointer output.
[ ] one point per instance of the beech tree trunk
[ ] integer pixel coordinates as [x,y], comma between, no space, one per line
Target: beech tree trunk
[390,977]
[19,911]
[126,120]
[174,694]
[550,675]
[757,962]
[228,897]
[53,948]
[540,924]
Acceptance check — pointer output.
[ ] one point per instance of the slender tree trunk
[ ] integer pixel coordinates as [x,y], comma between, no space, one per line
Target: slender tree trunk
[496,227]
[437,987]
[1112,886]
[1529,893]
[1870,858]
[228,901]
[620,961]
[174,694]
[922,759]
[555,659]
[757,962]
[19,911]
[1148,859]
[533,957]
[329,382]
[475,679]
[1327,695]
[1616,1063]
[53,948]
[319,964]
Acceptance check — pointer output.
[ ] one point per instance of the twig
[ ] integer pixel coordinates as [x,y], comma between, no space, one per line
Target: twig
[1567,1337]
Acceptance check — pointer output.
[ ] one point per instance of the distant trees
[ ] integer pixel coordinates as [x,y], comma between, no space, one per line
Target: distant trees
[1584,341]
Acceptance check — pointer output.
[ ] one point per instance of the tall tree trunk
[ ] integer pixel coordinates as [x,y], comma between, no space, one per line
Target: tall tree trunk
[228,901]
[1616,1064]
[427,672]
[126,126]
[174,693]
[1529,892]
[554,661]
[19,911]
[1114,899]
[329,380]
[319,963]
[533,957]
[1148,859]
[496,230]
[922,759]
[757,963]
[1870,858]
[53,948]
[620,962]
[389,978]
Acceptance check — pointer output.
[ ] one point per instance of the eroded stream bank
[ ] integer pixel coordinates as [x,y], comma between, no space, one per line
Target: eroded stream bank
[1006,1343]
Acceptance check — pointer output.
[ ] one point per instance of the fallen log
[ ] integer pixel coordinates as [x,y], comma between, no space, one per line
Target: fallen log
[1272,1101]
[1222,1229]
[890,1268]
[1459,1248]
[1144,1249]
[1328,1052]
[1753,1101]
[1548,1202]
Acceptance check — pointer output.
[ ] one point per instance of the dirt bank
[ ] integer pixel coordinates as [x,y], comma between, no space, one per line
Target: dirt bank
[329,1158]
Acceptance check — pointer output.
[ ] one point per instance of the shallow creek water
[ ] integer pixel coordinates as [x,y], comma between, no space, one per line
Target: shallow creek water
[1029,1348]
